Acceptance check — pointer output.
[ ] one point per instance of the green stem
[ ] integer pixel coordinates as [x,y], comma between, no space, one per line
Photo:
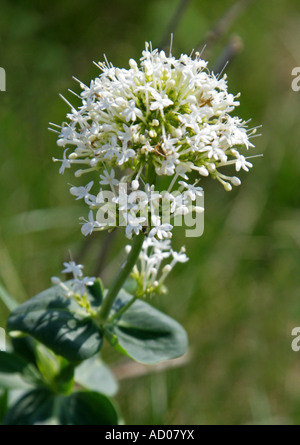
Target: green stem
[121,277]
[122,310]
[151,175]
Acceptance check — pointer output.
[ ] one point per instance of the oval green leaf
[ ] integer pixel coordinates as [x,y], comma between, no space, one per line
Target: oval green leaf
[144,333]
[94,375]
[58,322]
[34,407]
[43,407]
[16,372]
[88,408]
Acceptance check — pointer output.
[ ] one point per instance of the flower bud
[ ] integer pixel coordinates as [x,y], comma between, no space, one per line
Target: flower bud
[203,171]
[178,132]
[93,162]
[133,64]
[166,269]
[135,184]
[235,181]
[227,186]
[152,133]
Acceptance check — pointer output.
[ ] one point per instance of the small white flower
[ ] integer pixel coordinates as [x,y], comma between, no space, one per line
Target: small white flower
[192,191]
[242,163]
[138,200]
[133,224]
[180,257]
[81,285]
[108,178]
[73,268]
[89,225]
[82,191]
[160,230]
[132,112]
[124,155]
[160,102]
[65,162]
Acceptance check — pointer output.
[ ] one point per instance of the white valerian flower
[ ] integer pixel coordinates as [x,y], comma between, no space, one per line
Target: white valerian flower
[131,112]
[191,191]
[108,178]
[242,163]
[82,191]
[134,224]
[151,270]
[65,162]
[179,257]
[81,285]
[76,288]
[73,268]
[160,230]
[161,101]
[163,116]
[89,225]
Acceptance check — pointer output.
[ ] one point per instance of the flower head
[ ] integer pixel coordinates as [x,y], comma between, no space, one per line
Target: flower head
[152,269]
[165,117]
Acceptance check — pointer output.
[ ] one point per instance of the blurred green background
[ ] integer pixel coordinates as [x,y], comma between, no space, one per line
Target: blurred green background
[239,295]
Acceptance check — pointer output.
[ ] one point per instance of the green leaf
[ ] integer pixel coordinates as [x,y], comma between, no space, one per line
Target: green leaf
[94,375]
[48,363]
[24,347]
[16,372]
[88,408]
[130,285]
[35,407]
[64,381]
[144,333]
[41,406]
[56,370]
[96,293]
[11,363]
[58,322]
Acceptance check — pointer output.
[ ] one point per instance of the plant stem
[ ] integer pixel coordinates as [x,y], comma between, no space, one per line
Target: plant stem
[121,277]
[122,310]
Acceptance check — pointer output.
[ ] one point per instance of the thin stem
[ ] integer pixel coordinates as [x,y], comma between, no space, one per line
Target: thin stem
[175,20]
[230,52]
[224,23]
[123,309]
[106,245]
[121,277]
[151,175]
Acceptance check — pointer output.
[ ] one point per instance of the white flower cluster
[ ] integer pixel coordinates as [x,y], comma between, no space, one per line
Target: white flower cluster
[146,272]
[79,283]
[127,205]
[164,117]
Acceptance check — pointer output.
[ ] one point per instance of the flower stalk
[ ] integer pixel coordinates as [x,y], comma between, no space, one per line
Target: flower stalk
[121,277]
